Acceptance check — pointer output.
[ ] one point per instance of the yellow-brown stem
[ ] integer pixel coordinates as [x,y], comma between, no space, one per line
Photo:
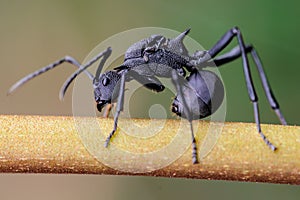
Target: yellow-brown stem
[50,144]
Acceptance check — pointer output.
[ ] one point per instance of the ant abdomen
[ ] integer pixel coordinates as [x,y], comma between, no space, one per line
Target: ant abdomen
[203,92]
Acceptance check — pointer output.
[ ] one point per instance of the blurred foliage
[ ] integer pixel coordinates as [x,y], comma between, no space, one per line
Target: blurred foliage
[35,33]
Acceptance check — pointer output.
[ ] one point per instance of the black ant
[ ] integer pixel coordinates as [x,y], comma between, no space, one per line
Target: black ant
[199,93]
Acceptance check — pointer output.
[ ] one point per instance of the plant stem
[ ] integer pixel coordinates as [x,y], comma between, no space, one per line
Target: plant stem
[50,144]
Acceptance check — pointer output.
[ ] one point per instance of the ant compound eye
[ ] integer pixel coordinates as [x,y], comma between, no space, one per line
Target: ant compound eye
[105,81]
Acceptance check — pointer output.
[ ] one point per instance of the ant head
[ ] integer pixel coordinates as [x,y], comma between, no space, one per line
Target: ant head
[203,94]
[104,88]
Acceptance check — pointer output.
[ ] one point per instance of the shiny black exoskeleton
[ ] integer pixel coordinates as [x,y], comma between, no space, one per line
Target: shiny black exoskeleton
[199,92]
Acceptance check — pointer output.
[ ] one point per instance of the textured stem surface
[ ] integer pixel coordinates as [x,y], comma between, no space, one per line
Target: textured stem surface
[50,144]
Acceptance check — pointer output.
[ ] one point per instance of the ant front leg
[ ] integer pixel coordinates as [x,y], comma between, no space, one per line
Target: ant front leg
[120,105]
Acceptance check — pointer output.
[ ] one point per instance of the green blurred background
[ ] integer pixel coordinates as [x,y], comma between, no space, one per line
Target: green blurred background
[35,33]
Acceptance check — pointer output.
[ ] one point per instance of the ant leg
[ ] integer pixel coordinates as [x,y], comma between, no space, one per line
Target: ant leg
[219,46]
[250,86]
[202,57]
[236,53]
[105,54]
[186,111]
[230,56]
[150,82]
[270,96]
[120,104]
